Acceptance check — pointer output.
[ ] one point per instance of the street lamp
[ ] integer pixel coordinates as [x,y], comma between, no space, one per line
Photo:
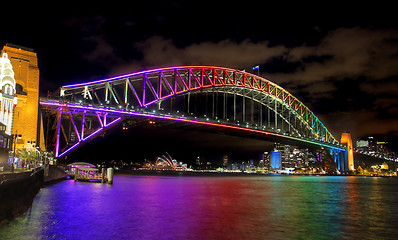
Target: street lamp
[32,145]
[14,138]
[39,153]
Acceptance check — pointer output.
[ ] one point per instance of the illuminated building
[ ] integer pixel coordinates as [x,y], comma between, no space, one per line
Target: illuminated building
[8,98]
[225,160]
[26,75]
[5,145]
[292,156]
[251,165]
[364,143]
[266,160]
[384,166]
[371,145]
[276,163]
[234,167]
[285,155]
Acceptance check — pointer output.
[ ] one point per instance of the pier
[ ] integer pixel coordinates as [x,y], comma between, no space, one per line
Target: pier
[93,175]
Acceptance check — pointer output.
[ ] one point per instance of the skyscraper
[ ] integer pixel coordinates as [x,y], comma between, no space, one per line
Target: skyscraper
[276,163]
[225,160]
[266,161]
[26,75]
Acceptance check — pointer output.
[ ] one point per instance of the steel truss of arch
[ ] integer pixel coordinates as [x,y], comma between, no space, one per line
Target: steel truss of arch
[135,93]
[142,89]
[68,127]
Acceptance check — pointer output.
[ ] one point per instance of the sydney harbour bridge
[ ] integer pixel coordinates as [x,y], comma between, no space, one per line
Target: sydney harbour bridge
[213,98]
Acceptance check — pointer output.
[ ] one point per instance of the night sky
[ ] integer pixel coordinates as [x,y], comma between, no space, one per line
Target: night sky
[340,60]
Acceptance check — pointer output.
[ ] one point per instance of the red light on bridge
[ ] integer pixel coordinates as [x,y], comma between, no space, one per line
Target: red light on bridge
[152,122]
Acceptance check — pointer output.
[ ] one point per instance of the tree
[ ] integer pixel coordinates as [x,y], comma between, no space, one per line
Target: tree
[24,155]
[328,163]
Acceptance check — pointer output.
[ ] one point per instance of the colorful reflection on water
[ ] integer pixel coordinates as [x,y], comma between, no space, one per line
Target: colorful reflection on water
[164,207]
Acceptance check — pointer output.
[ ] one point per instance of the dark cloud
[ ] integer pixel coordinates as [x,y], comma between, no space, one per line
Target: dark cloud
[349,74]
[101,52]
[85,24]
[347,52]
[157,51]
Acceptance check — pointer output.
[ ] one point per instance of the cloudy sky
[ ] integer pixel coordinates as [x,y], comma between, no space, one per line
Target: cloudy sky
[340,60]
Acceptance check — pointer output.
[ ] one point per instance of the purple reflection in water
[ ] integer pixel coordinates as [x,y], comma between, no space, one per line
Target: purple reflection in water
[164,207]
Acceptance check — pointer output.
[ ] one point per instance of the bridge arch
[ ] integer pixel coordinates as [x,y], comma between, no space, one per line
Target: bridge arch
[86,110]
[140,90]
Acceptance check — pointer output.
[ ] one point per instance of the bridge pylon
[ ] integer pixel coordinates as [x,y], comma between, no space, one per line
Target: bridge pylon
[349,153]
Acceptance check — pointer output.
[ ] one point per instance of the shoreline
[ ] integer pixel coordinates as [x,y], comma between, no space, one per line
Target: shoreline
[225,174]
[17,191]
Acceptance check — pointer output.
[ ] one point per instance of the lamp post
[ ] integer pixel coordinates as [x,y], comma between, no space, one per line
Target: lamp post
[14,138]
[39,153]
[32,145]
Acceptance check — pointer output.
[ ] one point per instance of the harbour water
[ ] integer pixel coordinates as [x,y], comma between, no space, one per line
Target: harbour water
[209,207]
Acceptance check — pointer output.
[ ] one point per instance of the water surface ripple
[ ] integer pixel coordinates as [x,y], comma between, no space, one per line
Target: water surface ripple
[175,207]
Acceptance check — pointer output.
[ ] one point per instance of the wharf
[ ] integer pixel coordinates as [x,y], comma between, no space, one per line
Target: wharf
[92,175]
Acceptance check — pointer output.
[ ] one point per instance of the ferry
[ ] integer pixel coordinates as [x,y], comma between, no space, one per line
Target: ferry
[89,174]
[70,168]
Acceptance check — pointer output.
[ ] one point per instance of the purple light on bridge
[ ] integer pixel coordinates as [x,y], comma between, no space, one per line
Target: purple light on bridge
[151,115]
[74,126]
[85,138]
[205,77]
[144,72]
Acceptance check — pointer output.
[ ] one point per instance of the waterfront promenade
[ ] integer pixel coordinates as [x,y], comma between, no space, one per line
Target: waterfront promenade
[18,189]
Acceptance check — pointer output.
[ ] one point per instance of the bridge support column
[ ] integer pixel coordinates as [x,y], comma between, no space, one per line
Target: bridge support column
[335,155]
[343,161]
[340,158]
[349,154]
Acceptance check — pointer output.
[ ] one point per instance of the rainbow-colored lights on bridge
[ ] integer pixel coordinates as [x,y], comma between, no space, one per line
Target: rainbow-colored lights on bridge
[126,114]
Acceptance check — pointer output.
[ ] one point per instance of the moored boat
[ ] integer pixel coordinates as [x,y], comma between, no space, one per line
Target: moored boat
[70,168]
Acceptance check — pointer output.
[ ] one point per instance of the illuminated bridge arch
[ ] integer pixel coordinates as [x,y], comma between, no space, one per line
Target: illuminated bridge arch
[237,99]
